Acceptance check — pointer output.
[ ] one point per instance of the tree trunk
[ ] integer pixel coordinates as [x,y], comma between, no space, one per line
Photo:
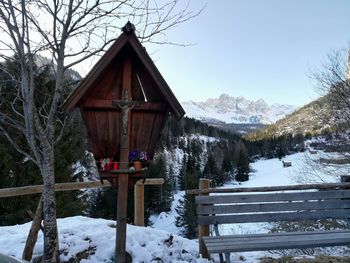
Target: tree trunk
[33,233]
[51,254]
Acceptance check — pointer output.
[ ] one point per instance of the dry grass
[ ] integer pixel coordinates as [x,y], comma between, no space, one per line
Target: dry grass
[318,259]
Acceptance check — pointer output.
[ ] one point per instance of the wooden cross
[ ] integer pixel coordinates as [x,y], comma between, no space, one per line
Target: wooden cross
[123,179]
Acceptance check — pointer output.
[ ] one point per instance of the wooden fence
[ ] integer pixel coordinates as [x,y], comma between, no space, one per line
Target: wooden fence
[37,217]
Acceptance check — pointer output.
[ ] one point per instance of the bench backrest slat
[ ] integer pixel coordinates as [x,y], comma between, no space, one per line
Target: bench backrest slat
[271,197]
[274,207]
[271,217]
[268,207]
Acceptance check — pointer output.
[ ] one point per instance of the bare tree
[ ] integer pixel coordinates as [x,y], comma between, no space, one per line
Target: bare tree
[67,32]
[332,112]
[333,84]
[323,167]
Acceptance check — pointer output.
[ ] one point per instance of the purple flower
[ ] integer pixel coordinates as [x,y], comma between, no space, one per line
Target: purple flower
[133,155]
[143,157]
[138,156]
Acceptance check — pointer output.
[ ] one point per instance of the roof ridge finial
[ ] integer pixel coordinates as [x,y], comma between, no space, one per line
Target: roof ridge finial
[128,28]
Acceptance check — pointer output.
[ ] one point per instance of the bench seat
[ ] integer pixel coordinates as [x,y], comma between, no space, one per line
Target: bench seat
[274,241]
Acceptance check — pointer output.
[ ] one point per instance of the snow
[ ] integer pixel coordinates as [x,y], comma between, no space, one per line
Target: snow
[161,242]
[80,233]
[230,109]
[166,221]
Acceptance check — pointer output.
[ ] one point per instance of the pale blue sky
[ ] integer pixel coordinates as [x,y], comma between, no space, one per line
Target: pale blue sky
[254,48]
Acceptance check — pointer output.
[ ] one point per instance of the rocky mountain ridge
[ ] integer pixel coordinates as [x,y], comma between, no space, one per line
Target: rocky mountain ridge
[227,109]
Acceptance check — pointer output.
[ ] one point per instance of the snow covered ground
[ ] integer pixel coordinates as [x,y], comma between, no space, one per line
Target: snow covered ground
[161,242]
[97,238]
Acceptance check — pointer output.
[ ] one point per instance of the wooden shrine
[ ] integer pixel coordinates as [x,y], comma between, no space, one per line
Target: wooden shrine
[125,102]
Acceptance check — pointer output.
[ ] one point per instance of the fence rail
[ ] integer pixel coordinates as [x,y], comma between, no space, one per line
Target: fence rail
[269,188]
[37,189]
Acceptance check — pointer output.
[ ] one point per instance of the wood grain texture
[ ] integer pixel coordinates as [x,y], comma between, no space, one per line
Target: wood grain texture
[36,189]
[274,207]
[274,217]
[260,242]
[271,188]
[272,197]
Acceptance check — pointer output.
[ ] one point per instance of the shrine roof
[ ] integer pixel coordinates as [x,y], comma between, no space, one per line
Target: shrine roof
[128,37]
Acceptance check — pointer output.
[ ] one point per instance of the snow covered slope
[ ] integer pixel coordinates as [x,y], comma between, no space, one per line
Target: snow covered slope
[229,109]
[96,237]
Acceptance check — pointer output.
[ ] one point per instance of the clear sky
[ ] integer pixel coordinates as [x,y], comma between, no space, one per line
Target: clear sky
[254,48]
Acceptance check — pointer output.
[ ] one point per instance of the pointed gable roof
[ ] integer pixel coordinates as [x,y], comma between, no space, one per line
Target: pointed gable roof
[128,37]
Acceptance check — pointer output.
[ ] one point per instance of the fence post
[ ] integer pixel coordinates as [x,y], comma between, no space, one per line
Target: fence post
[139,204]
[139,200]
[345,178]
[203,230]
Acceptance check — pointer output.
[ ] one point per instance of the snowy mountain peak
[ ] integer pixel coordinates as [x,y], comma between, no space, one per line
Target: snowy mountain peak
[229,109]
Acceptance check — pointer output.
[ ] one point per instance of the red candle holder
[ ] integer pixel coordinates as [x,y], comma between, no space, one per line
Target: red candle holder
[115,166]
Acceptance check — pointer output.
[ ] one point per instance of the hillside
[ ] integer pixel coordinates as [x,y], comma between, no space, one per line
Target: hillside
[311,119]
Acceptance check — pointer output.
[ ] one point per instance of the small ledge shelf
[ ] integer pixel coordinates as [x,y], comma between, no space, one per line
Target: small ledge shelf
[125,171]
[133,176]
[113,173]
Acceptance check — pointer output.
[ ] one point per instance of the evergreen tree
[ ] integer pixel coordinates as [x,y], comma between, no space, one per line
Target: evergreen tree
[227,165]
[227,162]
[187,216]
[162,196]
[282,146]
[182,174]
[17,171]
[14,171]
[192,173]
[172,181]
[242,169]
[299,140]
[211,171]
[189,126]
[103,203]
[187,208]
[195,149]
[176,127]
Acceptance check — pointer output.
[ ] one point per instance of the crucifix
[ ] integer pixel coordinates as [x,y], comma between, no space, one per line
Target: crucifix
[125,105]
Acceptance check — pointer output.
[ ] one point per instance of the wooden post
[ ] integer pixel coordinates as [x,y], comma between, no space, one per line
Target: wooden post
[120,248]
[33,232]
[139,194]
[345,178]
[121,218]
[203,230]
[139,207]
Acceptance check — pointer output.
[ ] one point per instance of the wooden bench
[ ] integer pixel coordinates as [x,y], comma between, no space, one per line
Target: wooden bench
[333,202]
